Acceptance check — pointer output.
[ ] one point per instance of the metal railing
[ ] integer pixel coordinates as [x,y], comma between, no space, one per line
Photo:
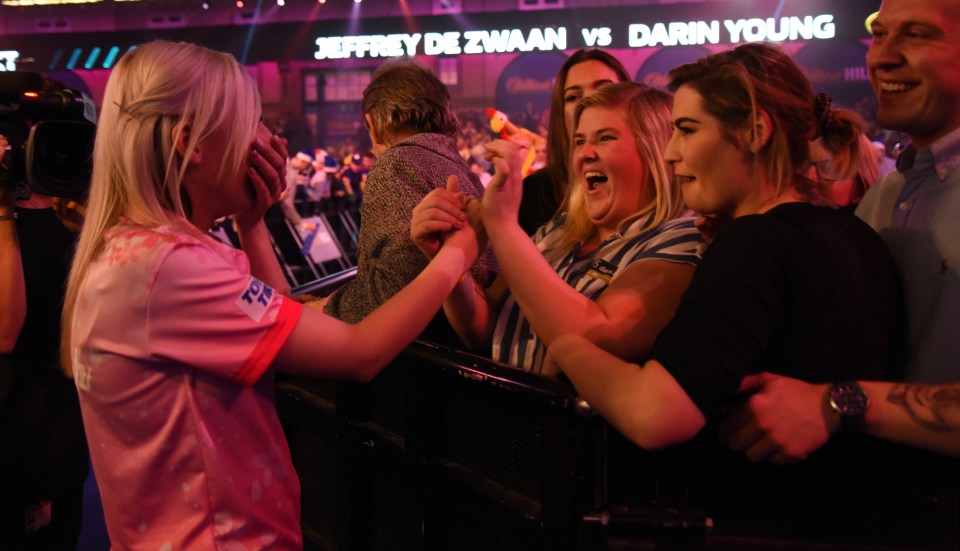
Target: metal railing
[446,450]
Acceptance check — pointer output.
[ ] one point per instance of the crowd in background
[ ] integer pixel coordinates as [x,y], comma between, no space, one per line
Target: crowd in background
[334,159]
[474,135]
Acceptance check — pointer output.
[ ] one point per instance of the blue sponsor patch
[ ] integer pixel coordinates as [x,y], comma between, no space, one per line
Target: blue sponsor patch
[255,299]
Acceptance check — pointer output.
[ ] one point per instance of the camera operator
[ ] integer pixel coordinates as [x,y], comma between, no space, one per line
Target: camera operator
[44,461]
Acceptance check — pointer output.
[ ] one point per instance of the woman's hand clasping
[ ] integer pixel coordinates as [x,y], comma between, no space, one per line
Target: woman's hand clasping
[440,211]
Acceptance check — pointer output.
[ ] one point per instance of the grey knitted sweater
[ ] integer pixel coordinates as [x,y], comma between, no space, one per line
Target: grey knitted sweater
[387,257]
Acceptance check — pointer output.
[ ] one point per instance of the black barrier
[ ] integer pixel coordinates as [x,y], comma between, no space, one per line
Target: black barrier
[446,450]
[463,455]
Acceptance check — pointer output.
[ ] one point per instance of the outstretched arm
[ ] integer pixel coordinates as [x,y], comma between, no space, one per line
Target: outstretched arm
[468,307]
[326,347]
[625,320]
[645,403]
[785,420]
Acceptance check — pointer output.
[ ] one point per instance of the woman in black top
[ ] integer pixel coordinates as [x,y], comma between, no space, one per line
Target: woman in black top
[788,285]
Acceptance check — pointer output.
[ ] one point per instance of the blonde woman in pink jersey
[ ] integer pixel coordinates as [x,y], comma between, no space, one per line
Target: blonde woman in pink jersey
[173,338]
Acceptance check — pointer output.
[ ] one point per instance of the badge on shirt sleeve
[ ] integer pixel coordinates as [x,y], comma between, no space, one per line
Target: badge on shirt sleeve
[602,269]
[255,299]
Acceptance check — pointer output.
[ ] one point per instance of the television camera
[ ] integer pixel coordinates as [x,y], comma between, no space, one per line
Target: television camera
[50,130]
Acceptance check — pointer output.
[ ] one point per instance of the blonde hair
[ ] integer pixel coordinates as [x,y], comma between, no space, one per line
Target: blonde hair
[558,135]
[153,92]
[647,113]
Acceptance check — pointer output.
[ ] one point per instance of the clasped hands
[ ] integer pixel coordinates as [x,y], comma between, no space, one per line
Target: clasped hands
[445,212]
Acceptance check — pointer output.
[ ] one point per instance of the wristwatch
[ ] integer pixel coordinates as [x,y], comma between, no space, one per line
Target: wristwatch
[850,402]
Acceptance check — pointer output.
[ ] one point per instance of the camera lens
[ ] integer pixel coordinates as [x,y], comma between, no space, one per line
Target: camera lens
[58,158]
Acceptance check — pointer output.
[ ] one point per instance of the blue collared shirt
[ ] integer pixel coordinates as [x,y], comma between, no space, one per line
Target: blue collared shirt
[917,213]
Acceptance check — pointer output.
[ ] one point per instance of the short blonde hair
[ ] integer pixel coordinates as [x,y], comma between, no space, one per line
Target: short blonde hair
[647,113]
[137,172]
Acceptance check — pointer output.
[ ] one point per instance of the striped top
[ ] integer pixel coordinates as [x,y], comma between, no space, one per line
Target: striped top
[515,343]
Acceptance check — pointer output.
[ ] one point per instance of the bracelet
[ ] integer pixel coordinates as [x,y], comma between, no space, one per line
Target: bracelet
[5,217]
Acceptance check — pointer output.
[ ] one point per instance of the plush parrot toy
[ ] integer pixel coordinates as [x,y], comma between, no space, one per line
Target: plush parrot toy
[501,124]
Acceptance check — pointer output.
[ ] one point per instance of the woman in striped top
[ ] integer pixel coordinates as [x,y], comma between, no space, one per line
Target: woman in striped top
[790,285]
[611,267]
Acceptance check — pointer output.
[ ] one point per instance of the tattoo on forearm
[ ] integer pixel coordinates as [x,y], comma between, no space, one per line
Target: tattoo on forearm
[934,407]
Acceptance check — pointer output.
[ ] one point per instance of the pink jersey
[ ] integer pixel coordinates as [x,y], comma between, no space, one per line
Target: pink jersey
[172,344]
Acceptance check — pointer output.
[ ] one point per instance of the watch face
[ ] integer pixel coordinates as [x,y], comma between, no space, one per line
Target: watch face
[849,400]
